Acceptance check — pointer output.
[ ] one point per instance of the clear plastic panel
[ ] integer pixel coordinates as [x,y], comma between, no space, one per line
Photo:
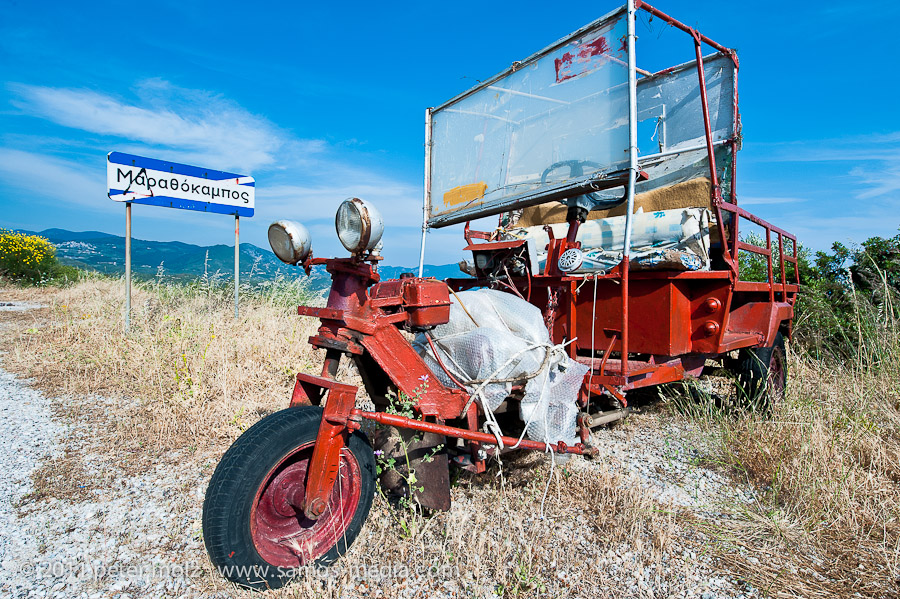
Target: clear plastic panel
[673,100]
[568,105]
[671,103]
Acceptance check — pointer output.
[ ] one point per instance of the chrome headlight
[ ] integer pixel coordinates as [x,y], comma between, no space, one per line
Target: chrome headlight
[359,225]
[290,241]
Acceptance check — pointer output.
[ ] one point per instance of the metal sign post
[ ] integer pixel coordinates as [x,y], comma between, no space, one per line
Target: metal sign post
[427,201]
[127,267]
[237,260]
[139,180]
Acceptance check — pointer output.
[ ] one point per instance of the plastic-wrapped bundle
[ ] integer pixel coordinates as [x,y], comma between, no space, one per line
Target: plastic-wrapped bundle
[500,336]
[665,239]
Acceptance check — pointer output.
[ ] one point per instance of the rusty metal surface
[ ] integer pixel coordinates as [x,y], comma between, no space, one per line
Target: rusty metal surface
[423,454]
[281,533]
[411,375]
[495,245]
[309,386]
[331,439]
[450,431]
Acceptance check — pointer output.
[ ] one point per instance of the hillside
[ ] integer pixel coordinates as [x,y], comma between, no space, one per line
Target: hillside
[103,252]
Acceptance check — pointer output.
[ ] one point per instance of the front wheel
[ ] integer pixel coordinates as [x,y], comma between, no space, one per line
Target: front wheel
[253,526]
[762,375]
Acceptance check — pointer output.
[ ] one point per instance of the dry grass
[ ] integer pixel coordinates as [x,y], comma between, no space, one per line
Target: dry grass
[62,477]
[828,463]
[188,373]
[190,376]
[598,532]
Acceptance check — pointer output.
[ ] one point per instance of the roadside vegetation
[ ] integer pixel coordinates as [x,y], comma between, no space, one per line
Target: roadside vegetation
[827,459]
[825,463]
[31,260]
[188,372]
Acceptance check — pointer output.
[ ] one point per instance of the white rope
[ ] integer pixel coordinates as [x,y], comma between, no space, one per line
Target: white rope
[491,423]
[549,448]
[493,427]
[549,480]
[478,390]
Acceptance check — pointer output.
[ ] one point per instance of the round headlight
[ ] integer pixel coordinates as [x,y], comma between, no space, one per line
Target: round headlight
[359,225]
[290,241]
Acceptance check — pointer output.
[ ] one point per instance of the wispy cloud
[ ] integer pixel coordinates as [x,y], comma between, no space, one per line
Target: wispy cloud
[871,161]
[880,181]
[758,201]
[190,124]
[299,179]
[400,204]
[50,177]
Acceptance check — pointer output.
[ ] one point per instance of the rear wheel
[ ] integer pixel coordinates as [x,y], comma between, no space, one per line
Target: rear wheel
[762,375]
[253,526]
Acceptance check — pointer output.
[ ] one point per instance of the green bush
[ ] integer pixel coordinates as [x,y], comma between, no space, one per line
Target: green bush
[849,306]
[31,259]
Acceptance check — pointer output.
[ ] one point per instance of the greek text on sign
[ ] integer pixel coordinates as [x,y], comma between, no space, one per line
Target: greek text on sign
[161,183]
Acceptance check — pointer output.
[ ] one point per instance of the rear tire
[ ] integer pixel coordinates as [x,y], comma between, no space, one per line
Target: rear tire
[254,535]
[762,375]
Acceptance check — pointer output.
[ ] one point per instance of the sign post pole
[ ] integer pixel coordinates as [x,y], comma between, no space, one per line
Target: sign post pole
[237,259]
[127,266]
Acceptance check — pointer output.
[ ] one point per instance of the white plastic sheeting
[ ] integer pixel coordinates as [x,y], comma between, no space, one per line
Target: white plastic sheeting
[478,343]
[505,134]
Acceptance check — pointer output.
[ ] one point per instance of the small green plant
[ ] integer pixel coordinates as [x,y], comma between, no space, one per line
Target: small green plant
[400,463]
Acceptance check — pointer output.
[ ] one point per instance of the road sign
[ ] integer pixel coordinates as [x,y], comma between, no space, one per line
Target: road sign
[139,180]
[161,183]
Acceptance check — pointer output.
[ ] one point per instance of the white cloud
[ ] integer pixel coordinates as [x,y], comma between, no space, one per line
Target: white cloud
[194,124]
[881,181]
[757,201]
[51,177]
[400,204]
[298,179]
[872,161]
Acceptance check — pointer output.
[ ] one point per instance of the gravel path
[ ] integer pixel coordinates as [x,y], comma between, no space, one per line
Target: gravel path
[129,536]
[29,435]
[114,536]
[663,459]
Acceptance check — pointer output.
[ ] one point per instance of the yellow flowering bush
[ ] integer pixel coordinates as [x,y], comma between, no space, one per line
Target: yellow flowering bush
[30,259]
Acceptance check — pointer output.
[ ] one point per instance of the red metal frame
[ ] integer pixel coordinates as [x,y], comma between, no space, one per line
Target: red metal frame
[740,321]
[662,324]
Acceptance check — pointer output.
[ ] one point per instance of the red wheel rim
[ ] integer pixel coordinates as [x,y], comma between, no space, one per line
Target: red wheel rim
[282,534]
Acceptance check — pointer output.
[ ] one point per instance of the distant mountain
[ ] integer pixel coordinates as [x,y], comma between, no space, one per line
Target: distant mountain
[444,271]
[55,235]
[104,252]
[94,250]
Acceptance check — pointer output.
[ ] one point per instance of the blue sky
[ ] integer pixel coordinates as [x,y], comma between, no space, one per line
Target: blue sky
[321,101]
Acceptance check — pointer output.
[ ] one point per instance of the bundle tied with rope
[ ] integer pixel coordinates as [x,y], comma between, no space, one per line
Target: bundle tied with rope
[495,340]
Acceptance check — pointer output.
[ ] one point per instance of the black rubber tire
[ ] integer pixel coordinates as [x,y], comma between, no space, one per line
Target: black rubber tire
[757,390]
[234,484]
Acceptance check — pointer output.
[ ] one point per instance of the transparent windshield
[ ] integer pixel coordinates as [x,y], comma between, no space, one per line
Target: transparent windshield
[558,116]
[561,117]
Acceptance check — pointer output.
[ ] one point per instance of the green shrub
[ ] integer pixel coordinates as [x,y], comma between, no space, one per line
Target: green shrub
[31,259]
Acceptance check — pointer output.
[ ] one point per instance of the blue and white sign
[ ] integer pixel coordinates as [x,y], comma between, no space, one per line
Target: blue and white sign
[161,183]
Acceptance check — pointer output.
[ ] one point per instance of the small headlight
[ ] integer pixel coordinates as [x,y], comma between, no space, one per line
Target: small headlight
[290,241]
[359,225]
